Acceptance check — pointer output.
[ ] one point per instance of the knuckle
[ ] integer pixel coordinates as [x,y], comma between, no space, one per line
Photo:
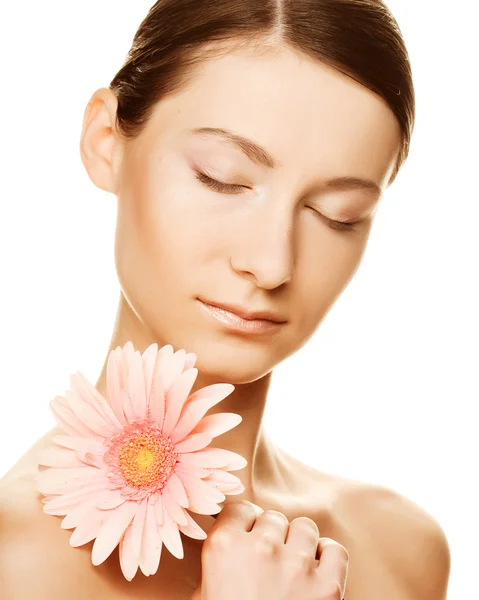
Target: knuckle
[265,545]
[242,505]
[341,551]
[299,561]
[276,514]
[219,539]
[242,501]
[307,522]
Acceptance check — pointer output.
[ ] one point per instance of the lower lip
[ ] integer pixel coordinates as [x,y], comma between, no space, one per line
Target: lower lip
[237,323]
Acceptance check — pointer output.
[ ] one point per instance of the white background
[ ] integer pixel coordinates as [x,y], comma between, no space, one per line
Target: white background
[387,389]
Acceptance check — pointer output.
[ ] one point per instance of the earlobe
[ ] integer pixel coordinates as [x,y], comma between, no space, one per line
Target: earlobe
[100,145]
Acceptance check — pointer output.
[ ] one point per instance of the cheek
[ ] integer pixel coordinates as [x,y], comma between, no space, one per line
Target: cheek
[182,231]
[167,230]
[322,276]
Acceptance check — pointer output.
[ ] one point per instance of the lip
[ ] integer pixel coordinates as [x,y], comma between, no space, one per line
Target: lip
[265,315]
[237,323]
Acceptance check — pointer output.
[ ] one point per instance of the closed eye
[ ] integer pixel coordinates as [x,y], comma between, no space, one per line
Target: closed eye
[234,188]
[220,186]
[338,225]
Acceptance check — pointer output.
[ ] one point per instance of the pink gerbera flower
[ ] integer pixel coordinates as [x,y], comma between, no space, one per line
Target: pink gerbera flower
[127,468]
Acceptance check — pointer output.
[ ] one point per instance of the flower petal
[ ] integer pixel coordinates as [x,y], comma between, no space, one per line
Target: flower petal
[225,482]
[123,357]
[172,367]
[67,419]
[215,458]
[193,530]
[151,545]
[46,499]
[111,531]
[136,385]
[88,415]
[88,528]
[137,527]
[190,360]
[170,535]
[173,508]
[198,489]
[90,395]
[159,509]
[204,507]
[218,423]
[81,445]
[110,499]
[62,480]
[177,489]
[198,404]
[128,560]
[76,516]
[218,477]
[114,385]
[233,490]
[127,405]
[199,472]
[127,352]
[62,505]
[193,442]
[176,398]
[156,400]
[149,360]
[52,456]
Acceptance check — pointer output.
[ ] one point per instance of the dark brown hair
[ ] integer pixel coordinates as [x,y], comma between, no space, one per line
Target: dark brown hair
[360,38]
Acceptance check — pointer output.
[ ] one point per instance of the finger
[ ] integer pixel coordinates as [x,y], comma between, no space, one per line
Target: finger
[239,514]
[271,524]
[333,564]
[303,536]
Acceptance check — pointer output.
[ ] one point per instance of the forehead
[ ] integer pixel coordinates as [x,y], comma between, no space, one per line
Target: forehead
[308,115]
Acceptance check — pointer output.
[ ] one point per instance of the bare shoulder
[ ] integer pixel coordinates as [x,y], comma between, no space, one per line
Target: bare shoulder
[26,542]
[412,540]
[36,560]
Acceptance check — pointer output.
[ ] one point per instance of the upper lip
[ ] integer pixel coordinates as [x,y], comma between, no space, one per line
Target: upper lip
[248,314]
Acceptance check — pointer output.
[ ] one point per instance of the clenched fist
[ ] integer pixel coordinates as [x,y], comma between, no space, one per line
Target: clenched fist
[252,554]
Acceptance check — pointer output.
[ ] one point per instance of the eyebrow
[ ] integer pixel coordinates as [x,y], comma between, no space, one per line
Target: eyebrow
[260,156]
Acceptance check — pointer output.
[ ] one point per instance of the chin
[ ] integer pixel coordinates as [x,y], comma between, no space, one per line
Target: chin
[229,360]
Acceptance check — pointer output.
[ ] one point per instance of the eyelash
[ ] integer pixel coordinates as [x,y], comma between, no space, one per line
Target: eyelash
[230,188]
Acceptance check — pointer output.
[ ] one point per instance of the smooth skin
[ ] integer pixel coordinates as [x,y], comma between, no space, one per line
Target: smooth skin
[276,558]
[265,243]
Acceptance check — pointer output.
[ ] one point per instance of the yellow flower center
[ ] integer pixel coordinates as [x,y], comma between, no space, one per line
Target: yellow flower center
[145,459]
[140,459]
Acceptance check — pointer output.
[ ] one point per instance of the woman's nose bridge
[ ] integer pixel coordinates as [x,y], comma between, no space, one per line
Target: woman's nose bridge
[266,248]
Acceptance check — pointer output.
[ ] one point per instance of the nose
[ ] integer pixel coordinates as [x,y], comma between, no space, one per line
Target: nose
[264,250]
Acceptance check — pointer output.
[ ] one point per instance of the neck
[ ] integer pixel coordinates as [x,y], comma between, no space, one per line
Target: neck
[248,439]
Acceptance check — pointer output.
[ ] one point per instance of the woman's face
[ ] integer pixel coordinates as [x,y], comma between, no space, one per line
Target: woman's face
[265,243]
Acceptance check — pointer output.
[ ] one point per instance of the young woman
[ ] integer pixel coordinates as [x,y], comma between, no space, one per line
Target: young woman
[248,145]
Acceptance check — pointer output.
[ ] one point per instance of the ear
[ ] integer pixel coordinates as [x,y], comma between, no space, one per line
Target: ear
[101,146]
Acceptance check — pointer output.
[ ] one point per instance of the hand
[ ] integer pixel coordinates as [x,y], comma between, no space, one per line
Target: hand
[252,554]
